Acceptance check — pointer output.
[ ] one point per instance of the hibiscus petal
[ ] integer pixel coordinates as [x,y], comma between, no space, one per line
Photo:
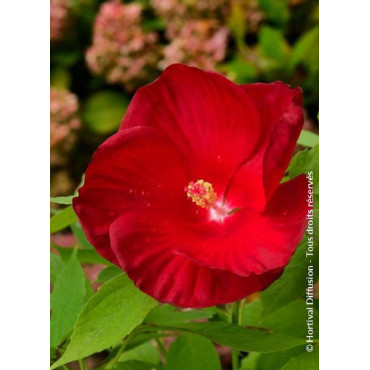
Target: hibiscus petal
[248,242]
[135,168]
[143,243]
[281,114]
[246,187]
[281,119]
[212,120]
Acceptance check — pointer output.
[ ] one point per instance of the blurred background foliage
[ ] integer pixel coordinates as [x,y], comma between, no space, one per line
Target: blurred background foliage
[101,51]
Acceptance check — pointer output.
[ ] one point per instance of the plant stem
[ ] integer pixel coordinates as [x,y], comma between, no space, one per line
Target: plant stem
[161,348]
[82,364]
[235,320]
[113,361]
[241,309]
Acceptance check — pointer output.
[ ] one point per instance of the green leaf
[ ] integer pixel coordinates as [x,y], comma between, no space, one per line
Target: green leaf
[271,361]
[167,315]
[62,219]
[250,361]
[289,319]
[308,138]
[83,255]
[103,111]
[276,10]
[110,314]
[306,361]
[67,300]
[305,161]
[252,313]
[108,273]
[273,44]
[62,200]
[56,266]
[306,51]
[196,352]
[240,71]
[80,236]
[243,339]
[137,365]
[144,352]
[293,282]
[89,290]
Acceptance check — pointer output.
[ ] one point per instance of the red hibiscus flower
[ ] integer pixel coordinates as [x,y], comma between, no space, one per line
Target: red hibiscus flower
[186,196]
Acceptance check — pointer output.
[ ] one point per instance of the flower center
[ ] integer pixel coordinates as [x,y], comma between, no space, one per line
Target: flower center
[203,195]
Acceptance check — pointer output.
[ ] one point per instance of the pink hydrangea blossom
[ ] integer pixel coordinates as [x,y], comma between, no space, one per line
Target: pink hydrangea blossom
[59,11]
[121,51]
[64,122]
[200,43]
[196,31]
[170,9]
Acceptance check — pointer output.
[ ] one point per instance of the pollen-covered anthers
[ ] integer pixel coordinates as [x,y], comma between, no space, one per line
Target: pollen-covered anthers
[201,193]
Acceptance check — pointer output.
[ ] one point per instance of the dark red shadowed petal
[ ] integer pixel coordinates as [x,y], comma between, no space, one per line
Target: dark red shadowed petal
[249,242]
[281,112]
[212,120]
[137,168]
[143,243]
[281,118]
